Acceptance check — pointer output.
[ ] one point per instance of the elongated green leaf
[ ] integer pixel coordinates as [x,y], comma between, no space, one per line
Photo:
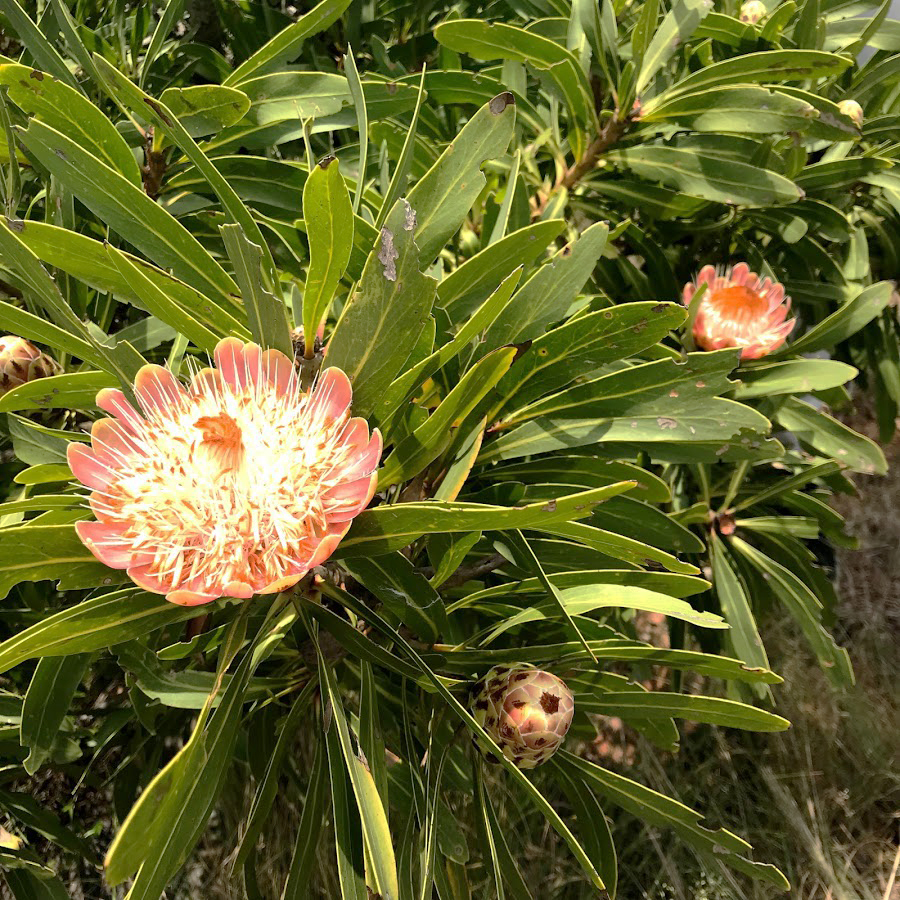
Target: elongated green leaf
[50,692]
[806,610]
[387,528]
[71,113]
[328,214]
[376,832]
[75,391]
[128,210]
[845,321]
[426,443]
[675,29]
[38,45]
[658,809]
[205,108]
[498,40]
[160,304]
[793,376]
[735,605]
[445,194]
[91,625]
[285,46]
[379,323]
[831,438]
[309,829]
[722,180]
[546,297]
[713,710]
[768,67]
[266,314]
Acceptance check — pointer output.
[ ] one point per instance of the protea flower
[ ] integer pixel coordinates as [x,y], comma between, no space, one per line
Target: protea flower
[21,362]
[853,111]
[235,485]
[752,11]
[739,309]
[526,711]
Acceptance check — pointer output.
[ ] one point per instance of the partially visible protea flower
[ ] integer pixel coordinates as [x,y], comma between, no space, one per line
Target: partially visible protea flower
[21,362]
[853,111]
[752,11]
[236,485]
[739,309]
[526,711]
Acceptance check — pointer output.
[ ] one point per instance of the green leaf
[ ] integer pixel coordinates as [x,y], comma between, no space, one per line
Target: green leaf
[328,214]
[766,67]
[266,314]
[463,289]
[50,693]
[497,40]
[32,814]
[76,391]
[159,303]
[584,344]
[806,610]
[546,297]
[71,113]
[741,109]
[703,175]
[128,211]
[286,45]
[382,319]
[830,437]
[376,832]
[400,389]
[416,451]
[88,260]
[205,108]
[735,605]
[579,601]
[658,809]
[386,528]
[843,322]
[793,376]
[676,28]
[661,704]
[309,830]
[91,625]
[130,95]
[38,46]
[444,195]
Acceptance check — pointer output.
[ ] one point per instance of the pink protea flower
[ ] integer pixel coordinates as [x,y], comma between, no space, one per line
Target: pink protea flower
[236,485]
[739,309]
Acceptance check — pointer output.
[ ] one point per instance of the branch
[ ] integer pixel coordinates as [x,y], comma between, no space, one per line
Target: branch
[475,570]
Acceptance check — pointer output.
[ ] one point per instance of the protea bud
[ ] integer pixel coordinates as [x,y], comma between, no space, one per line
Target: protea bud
[752,11]
[21,362]
[852,110]
[525,710]
[739,309]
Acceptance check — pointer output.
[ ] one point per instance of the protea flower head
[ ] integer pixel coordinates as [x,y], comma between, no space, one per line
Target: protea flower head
[525,710]
[739,309]
[21,362]
[853,111]
[235,485]
[752,11]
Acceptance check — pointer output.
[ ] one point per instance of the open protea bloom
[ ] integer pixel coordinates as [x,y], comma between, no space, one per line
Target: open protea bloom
[21,362]
[739,309]
[525,710]
[235,485]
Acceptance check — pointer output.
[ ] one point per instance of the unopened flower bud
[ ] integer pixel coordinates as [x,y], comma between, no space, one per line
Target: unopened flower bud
[21,362]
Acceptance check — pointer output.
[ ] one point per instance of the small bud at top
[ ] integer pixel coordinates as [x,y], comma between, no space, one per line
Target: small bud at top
[852,110]
[752,11]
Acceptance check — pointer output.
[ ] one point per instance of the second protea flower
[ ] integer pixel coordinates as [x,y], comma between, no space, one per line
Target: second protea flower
[525,710]
[739,309]
[21,362]
[235,485]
